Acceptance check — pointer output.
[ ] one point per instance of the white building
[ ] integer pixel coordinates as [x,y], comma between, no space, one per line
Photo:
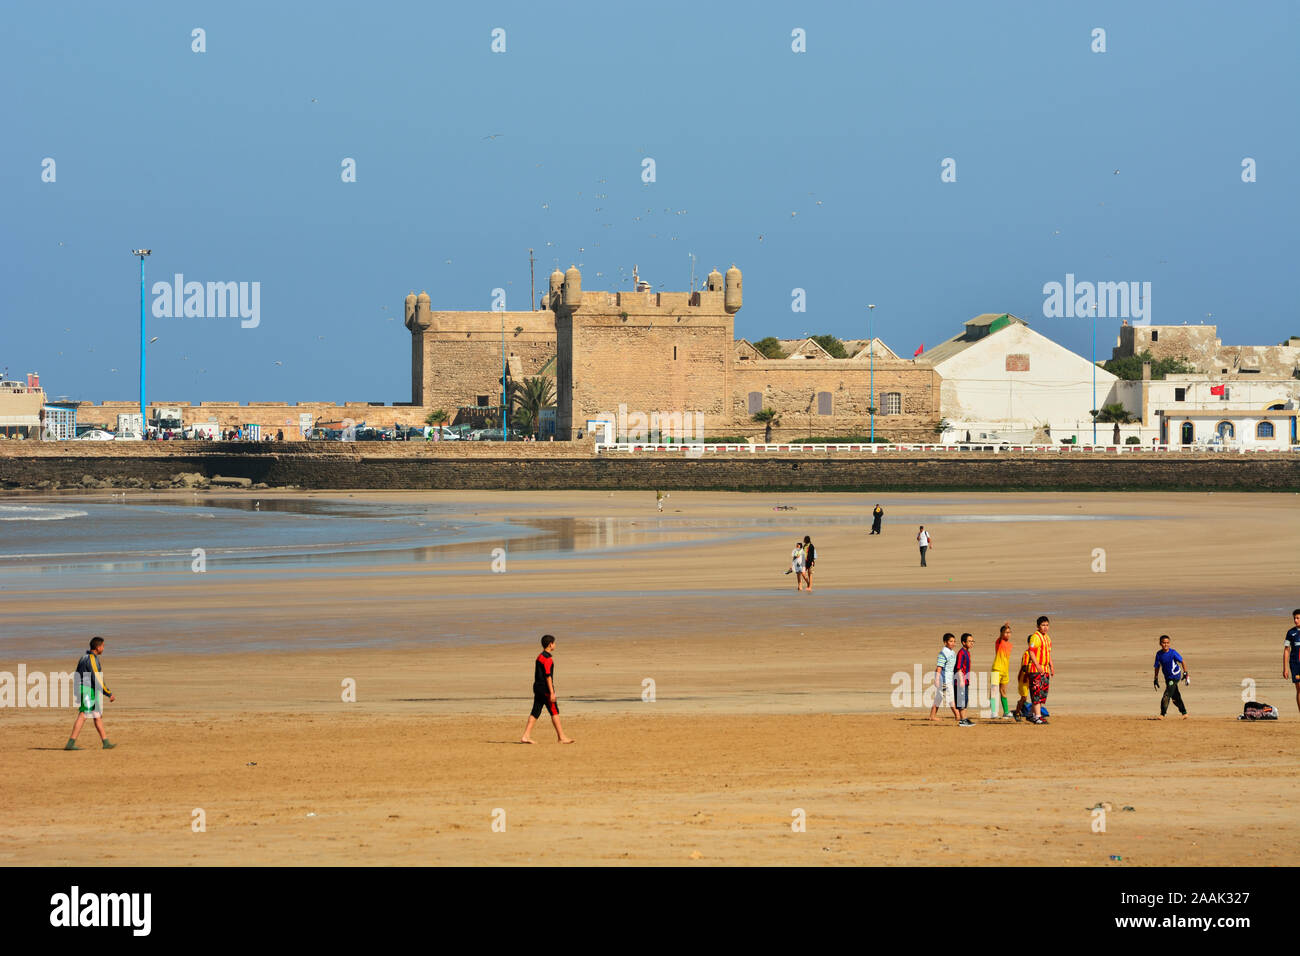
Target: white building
[1002,381]
[1231,428]
[1209,409]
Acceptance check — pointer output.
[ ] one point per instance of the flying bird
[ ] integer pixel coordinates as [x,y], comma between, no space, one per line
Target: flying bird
[153,340]
[279,363]
[494,136]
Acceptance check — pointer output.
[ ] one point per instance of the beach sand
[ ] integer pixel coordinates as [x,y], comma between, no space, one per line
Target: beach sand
[769,704]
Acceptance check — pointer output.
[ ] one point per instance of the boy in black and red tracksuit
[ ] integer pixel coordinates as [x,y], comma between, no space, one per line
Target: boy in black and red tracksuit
[544,692]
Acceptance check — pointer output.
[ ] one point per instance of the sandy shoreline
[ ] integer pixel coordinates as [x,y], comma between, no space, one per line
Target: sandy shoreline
[766,700]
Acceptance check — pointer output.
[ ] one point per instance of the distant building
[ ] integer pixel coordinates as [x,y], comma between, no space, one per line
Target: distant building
[1002,381]
[60,421]
[1199,346]
[21,407]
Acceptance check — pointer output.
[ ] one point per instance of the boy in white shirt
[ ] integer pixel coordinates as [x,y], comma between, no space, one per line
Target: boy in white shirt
[943,693]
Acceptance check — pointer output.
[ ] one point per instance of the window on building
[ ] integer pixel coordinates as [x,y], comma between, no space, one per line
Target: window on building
[482,401]
[1264,430]
[755,402]
[891,403]
[674,353]
[1226,431]
[1180,395]
[823,403]
[1227,392]
[1155,335]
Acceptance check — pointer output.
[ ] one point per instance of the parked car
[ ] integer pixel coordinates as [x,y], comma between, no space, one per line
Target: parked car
[96,434]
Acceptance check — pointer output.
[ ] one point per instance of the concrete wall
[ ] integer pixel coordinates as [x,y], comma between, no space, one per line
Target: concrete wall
[542,467]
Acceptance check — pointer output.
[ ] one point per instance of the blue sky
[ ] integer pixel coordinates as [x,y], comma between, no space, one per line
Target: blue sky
[227,163]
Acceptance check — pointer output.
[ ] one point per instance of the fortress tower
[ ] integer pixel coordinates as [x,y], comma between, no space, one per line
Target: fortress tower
[666,352]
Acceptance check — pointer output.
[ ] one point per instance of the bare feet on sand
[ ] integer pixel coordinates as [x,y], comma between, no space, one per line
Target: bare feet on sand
[527,740]
[563,740]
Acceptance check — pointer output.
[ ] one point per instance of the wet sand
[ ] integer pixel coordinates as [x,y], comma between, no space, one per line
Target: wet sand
[766,701]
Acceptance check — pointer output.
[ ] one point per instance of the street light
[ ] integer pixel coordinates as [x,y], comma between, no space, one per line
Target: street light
[871,344]
[505,411]
[1094,375]
[143,416]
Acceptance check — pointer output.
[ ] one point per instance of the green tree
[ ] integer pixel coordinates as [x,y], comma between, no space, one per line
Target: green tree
[832,345]
[1130,367]
[770,347]
[437,417]
[529,397]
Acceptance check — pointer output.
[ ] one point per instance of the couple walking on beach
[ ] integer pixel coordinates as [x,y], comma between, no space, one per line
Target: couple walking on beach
[802,559]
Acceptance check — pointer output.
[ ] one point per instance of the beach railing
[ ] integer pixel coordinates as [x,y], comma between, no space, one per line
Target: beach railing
[696,450]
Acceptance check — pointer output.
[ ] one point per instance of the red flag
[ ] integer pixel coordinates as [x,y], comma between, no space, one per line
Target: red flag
[919,349]
[1216,389]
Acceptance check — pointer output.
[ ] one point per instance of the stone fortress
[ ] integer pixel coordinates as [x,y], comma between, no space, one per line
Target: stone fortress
[670,353]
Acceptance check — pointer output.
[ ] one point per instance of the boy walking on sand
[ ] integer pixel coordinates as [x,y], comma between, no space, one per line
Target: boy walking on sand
[544,692]
[90,695]
[1291,654]
[1175,668]
[943,691]
[961,683]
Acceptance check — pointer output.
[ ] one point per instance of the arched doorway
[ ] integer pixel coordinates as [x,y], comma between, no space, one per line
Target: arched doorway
[1226,431]
[1187,433]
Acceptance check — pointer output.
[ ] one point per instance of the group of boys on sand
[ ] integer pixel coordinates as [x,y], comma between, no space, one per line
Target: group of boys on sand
[953,669]
[951,684]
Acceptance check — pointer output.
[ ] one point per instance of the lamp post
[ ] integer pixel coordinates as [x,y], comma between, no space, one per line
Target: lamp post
[144,418]
[505,411]
[871,344]
[1094,375]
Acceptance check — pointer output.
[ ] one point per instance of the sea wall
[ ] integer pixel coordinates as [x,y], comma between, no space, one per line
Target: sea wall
[540,466]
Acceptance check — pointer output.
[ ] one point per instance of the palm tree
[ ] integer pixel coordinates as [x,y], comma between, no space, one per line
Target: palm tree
[767,417]
[1115,412]
[437,418]
[531,396]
